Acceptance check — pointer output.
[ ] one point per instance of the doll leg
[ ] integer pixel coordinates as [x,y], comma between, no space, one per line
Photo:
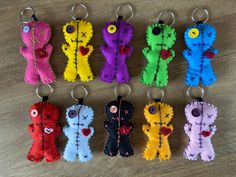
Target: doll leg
[84,152]
[192,77]
[31,75]
[208,76]
[70,71]
[111,147]
[164,152]
[150,150]
[148,74]
[125,147]
[46,73]
[107,73]
[208,152]
[191,151]
[52,154]
[84,69]
[122,74]
[162,77]
[70,152]
[35,154]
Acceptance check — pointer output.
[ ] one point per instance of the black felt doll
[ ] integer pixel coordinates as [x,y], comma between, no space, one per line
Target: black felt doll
[118,126]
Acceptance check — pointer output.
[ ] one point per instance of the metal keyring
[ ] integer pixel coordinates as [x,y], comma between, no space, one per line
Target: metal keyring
[188,92]
[194,14]
[79,5]
[118,86]
[23,13]
[83,96]
[170,13]
[124,17]
[150,91]
[40,85]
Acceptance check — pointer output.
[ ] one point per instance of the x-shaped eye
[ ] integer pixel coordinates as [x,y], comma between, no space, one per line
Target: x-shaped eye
[126,112]
[169,35]
[209,34]
[83,34]
[126,30]
[167,115]
[85,117]
[209,115]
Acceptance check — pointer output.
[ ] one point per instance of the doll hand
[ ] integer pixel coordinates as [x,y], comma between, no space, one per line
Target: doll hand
[146,129]
[30,129]
[212,129]
[187,128]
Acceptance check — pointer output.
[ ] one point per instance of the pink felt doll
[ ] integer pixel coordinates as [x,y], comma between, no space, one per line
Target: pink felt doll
[35,35]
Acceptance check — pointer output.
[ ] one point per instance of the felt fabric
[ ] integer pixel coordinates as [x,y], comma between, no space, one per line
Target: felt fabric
[37,52]
[77,35]
[199,54]
[200,128]
[118,127]
[44,130]
[78,133]
[160,38]
[158,129]
[116,51]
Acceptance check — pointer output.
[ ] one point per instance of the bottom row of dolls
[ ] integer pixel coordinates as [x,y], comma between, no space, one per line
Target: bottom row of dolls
[44,130]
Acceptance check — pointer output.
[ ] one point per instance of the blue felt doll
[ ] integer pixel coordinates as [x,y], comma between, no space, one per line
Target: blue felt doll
[199,54]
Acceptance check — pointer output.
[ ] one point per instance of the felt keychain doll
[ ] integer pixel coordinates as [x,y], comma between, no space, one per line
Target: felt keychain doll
[199,53]
[44,130]
[78,132]
[158,129]
[119,126]
[37,51]
[160,38]
[117,50]
[78,33]
[200,128]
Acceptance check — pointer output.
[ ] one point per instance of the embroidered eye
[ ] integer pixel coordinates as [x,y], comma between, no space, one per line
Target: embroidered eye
[193,33]
[72,114]
[34,113]
[69,29]
[156,31]
[152,109]
[26,29]
[111,29]
[196,112]
[113,109]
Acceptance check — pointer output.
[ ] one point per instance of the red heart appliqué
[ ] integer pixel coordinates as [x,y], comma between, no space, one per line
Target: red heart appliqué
[165,54]
[209,54]
[165,131]
[41,53]
[124,50]
[86,131]
[83,50]
[206,133]
[125,130]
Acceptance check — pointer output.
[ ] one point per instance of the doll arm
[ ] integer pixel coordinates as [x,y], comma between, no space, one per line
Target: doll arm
[66,130]
[171,128]
[210,53]
[49,49]
[106,124]
[104,50]
[187,54]
[146,129]
[58,130]
[66,49]
[212,129]
[187,129]
[90,50]
[91,132]
[30,129]
[23,52]
[146,50]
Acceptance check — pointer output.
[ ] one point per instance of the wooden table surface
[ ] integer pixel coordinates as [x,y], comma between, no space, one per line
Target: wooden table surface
[16,96]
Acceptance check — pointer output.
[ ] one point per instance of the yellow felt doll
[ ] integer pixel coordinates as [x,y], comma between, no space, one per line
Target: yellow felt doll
[158,115]
[77,35]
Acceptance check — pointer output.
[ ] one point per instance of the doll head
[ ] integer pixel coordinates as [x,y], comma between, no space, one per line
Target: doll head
[200,37]
[200,112]
[44,113]
[119,109]
[157,113]
[36,34]
[79,115]
[160,36]
[117,33]
[78,31]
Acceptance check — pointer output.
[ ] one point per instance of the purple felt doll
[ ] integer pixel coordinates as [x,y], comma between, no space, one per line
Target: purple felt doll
[117,49]
[201,116]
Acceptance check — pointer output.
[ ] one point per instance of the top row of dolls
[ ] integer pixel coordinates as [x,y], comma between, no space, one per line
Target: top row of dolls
[117,35]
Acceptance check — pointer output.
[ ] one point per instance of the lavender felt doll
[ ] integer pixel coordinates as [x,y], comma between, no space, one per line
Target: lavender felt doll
[201,116]
[117,49]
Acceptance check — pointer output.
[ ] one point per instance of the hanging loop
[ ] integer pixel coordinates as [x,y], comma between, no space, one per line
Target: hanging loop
[116,90]
[76,6]
[169,13]
[24,18]
[196,19]
[190,93]
[39,92]
[160,93]
[84,95]
[121,6]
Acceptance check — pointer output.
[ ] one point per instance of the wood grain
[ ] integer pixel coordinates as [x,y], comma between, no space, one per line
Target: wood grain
[16,96]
